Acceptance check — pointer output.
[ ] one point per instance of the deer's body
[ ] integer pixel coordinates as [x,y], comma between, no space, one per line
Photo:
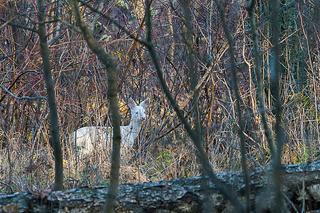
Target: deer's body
[87,139]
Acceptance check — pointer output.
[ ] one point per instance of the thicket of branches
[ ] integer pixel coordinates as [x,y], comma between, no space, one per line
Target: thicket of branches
[219,61]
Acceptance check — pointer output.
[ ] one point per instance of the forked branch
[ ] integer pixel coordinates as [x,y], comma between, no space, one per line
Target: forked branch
[112,75]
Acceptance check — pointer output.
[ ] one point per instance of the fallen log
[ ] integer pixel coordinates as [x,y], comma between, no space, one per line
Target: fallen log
[301,191]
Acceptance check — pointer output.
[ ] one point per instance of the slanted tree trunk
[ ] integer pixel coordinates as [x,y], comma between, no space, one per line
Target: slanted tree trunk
[112,75]
[301,190]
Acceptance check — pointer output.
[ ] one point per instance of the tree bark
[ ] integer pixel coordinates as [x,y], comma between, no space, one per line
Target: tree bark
[113,80]
[54,120]
[301,190]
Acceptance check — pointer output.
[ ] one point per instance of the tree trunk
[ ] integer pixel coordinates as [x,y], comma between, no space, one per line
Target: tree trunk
[113,90]
[302,191]
[54,120]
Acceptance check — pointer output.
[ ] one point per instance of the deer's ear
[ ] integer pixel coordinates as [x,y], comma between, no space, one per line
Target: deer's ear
[131,103]
[145,103]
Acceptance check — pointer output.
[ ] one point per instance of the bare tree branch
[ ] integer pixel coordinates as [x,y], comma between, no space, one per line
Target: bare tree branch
[115,23]
[28,98]
[236,94]
[225,190]
[112,75]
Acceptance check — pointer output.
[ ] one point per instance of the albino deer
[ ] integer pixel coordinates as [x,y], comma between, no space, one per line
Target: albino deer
[86,139]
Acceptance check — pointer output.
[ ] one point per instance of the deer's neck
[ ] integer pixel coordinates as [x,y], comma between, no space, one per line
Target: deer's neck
[134,127]
[131,132]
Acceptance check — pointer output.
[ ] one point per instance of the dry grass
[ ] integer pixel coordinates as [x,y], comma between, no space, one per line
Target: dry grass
[29,166]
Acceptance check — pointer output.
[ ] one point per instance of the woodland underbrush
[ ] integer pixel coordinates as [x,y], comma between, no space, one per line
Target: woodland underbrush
[29,166]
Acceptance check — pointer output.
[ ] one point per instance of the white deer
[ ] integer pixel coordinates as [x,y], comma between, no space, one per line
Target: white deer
[87,139]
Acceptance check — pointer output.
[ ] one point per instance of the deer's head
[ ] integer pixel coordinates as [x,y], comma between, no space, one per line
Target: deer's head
[138,112]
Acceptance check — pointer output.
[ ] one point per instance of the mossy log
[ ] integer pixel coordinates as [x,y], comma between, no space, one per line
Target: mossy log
[301,191]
